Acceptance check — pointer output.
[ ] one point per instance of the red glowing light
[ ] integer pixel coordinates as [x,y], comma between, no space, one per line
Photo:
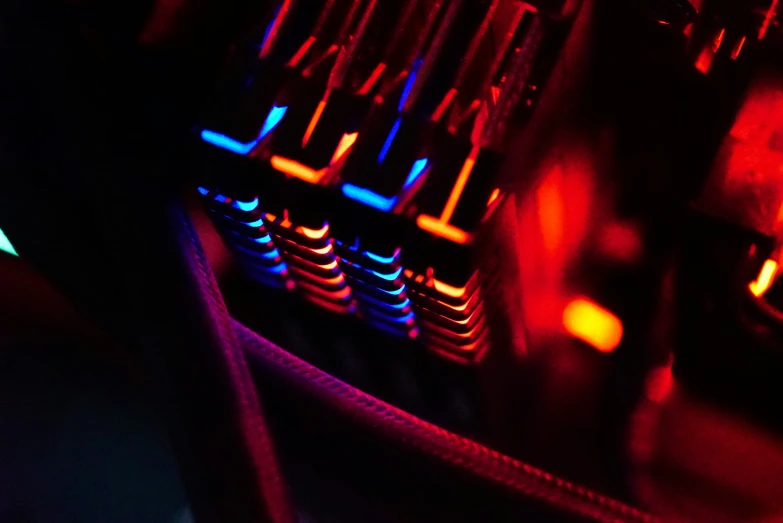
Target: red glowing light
[765,278]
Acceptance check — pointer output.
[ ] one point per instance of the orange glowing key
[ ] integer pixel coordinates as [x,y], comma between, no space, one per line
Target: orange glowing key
[593,324]
[765,278]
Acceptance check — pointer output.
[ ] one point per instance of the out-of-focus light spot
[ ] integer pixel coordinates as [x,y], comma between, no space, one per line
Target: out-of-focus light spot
[765,278]
[659,383]
[493,197]
[368,197]
[346,142]
[620,242]
[203,191]
[593,324]
[5,244]
[550,210]
[704,61]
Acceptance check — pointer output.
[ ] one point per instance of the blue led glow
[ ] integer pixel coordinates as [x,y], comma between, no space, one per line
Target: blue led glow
[258,223]
[379,259]
[271,255]
[203,191]
[221,198]
[229,144]
[277,269]
[245,206]
[386,328]
[389,140]
[409,83]
[272,119]
[416,170]
[263,239]
[367,197]
[390,277]
[393,293]
[269,27]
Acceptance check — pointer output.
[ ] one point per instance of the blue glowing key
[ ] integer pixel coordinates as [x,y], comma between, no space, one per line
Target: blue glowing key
[203,191]
[272,119]
[258,223]
[229,144]
[416,170]
[367,197]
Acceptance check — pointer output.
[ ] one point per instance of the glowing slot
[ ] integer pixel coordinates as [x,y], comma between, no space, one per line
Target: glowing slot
[389,140]
[319,110]
[765,278]
[346,142]
[406,91]
[296,169]
[593,324]
[368,197]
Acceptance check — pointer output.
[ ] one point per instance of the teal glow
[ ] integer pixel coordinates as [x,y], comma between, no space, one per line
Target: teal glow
[5,245]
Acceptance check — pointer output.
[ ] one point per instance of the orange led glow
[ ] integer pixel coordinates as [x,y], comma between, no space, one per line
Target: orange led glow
[346,142]
[296,169]
[444,230]
[294,61]
[765,278]
[324,250]
[593,324]
[448,290]
[315,234]
[440,226]
[493,196]
[376,73]
[462,179]
[319,110]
